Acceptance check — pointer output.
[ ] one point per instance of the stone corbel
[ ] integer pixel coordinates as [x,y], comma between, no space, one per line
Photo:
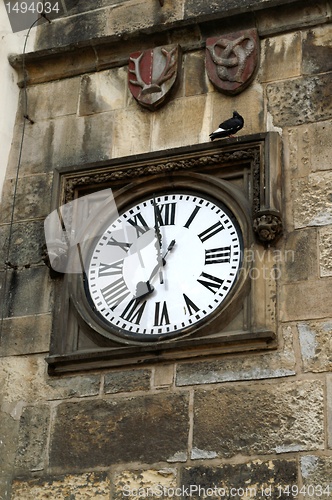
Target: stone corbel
[267,226]
[267,220]
[55,256]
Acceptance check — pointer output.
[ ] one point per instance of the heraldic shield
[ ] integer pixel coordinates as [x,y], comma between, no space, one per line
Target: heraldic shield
[152,74]
[231,60]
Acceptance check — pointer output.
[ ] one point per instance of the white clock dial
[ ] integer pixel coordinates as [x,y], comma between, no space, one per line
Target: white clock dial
[164,265]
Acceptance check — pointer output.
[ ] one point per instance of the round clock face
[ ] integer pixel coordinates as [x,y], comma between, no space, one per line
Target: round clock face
[166,264]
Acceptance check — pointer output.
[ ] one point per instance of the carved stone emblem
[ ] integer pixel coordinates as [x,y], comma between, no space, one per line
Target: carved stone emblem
[152,74]
[231,60]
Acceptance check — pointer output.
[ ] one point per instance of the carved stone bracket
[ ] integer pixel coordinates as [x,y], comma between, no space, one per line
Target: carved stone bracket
[59,252]
[267,226]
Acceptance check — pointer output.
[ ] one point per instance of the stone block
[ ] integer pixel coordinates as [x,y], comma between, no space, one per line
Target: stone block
[180,123]
[316,345]
[195,78]
[94,485]
[53,99]
[325,251]
[37,149]
[115,20]
[8,441]
[32,197]
[274,364]
[144,483]
[200,10]
[312,200]
[127,381]
[146,429]
[292,17]
[258,419]
[143,16]
[75,7]
[4,233]
[163,376]
[250,104]
[301,261]
[71,387]
[103,91]
[65,32]
[29,291]
[31,452]
[27,241]
[132,131]
[320,146]
[24,382]
[317,50]
[306,300]
[281,57]
[300,100]
[297,152]
[256,479]
[80,140]
[26,335]
[316,474]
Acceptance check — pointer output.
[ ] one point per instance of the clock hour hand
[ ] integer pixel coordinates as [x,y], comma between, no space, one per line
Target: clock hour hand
[169,248]
[144,288]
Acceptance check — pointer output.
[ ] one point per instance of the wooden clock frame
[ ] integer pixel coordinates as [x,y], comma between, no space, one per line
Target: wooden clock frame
[245,174]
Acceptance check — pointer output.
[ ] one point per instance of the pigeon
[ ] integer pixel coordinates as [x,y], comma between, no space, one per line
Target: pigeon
[228,127]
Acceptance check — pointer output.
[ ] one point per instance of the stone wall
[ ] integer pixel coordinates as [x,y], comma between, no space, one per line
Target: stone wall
[250,424]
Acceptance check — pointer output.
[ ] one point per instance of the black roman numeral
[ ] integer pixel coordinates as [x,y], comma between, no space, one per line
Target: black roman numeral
[134,311]
[212,283]
[191,218]
[218,255]
[115,293]
[110,269]
[165,214]
[161,314]
[190,304]
[211,231]
[139,224]
[122,244]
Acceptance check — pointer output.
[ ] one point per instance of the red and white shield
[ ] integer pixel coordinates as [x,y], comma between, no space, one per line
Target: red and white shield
[152,74]
[231,60]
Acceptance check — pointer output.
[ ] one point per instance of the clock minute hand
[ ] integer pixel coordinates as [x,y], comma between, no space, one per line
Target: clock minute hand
[159,241]
[144,288]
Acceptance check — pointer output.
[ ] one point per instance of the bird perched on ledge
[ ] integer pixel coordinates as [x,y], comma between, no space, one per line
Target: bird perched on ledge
[228,127]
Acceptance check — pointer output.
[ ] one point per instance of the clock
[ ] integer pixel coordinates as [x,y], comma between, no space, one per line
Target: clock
[165,266]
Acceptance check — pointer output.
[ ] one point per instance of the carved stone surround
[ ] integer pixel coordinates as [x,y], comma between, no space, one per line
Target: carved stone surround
[250,163]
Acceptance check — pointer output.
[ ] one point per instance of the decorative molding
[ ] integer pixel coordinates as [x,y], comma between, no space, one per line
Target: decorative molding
[267,226]
[160,167]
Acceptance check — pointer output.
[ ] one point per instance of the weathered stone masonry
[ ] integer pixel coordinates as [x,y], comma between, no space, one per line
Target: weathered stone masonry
[256,419]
